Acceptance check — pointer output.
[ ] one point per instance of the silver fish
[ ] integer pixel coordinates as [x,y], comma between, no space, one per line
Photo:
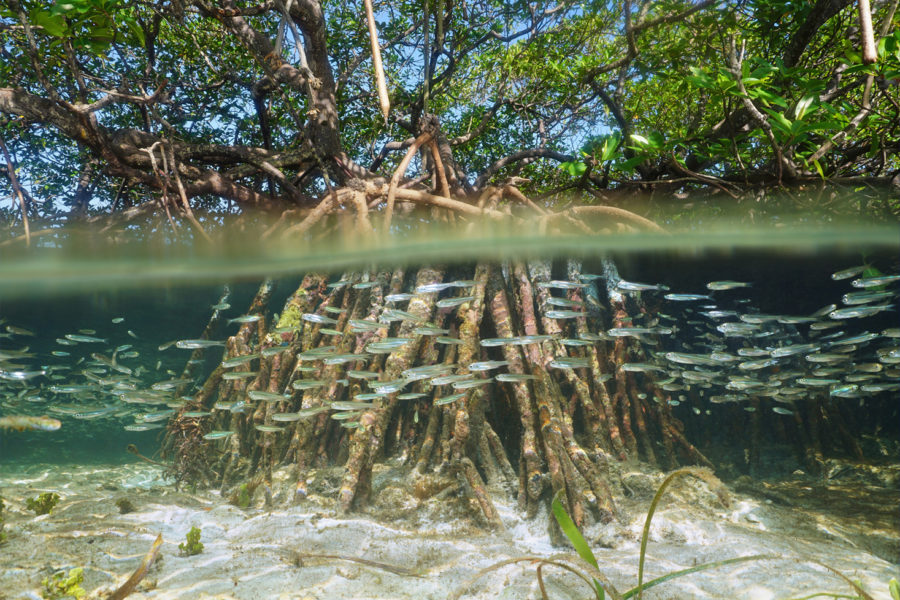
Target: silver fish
[196,344]
[316,318]
[453,302]
[245,319]
[630,286]
[718,286]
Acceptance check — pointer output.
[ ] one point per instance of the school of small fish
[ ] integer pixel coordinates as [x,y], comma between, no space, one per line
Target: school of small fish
[710,346]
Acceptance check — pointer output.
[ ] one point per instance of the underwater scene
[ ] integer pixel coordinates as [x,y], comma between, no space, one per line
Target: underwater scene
[592,421]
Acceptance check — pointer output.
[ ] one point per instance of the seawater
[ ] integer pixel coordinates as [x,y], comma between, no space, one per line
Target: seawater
[87,462]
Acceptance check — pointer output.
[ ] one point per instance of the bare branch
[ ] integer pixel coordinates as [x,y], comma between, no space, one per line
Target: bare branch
[531,154]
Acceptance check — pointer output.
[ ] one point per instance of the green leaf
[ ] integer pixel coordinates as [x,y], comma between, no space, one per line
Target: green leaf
[575,168]
[568,527]
[639,139]
[55,25]
[822,175]
[894,586]
[610,146]
[803,106]
[631,163]
[768,96]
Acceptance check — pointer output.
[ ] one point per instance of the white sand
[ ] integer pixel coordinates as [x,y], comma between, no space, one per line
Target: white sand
[251,553]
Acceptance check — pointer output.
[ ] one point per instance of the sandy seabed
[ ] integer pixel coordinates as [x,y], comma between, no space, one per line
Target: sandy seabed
[299,551]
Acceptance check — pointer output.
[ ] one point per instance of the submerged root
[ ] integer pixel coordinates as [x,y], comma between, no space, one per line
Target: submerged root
[540,429]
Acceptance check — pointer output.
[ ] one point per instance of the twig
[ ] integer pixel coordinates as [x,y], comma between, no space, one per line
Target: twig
[11,171]
[376,62]
[439,167]
[395,179]
[760,118]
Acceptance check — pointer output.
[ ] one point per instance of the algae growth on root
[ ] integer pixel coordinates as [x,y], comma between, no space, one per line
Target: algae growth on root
[42,504]
[61,585]
[193,545]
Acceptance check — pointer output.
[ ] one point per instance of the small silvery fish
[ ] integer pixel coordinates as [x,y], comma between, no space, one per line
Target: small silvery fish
[411,396]
[266,396]
[641,368]
[19,330]
[234,361]
[197,344]
[196,414]
[392,314]
[487,365]
[855,312]
[569,362]
[87,339]
[316,318]
[286,417]
[564,314]
[449,399]
[826,358]
[428,329]
[431,288]
[630,286]
[445,379]
[317,353]
[562,285]
[388,386]
[365,285]
[737,329]
[362,374]
[718,286]
[21,423]
[335,310]
[880,280]
[337,284]
[308,384]
[848,273]
[221,306]
[245,319]
[339,359]
[853,298]
[268,428]
[132,334]
[563,302]
[273,350]
[352,405]
[386,346]
[217,435]
[359,325]
[426,372]
[442,339]
[398,297]
[574,343]
[330,331]
[453,302]
[794,349]
[514,377]
[239,375]
[687,297]
[470,383]
[118,320]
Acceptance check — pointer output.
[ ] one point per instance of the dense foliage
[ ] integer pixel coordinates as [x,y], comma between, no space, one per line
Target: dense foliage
[216,107]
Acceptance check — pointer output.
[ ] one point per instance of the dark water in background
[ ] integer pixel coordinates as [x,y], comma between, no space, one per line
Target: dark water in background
[785,280]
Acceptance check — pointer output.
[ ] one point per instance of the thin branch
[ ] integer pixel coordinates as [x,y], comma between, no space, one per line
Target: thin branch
[383,100]
[521,155]
[14,180]
[398,173]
